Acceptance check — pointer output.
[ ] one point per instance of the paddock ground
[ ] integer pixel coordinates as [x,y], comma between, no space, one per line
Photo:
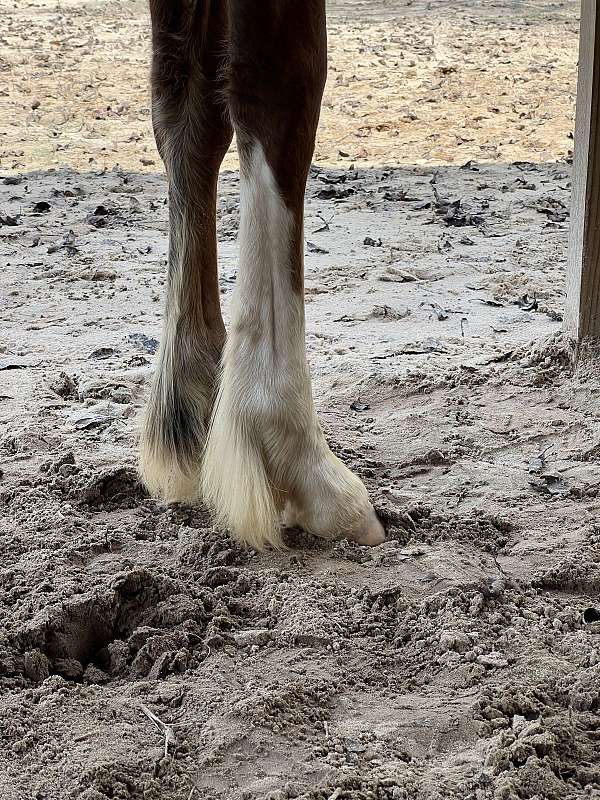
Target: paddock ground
[460,659]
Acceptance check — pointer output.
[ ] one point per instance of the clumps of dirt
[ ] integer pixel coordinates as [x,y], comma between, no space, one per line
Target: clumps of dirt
[350,784]
[419,523]
[356,459]
[476,631]
[432,457]
[452,630]
[63,465]
[198,547]
[488,532]
[549,747]
[529,761]
[585,491]
[456,447]
[557,349]
[541,361]
[354,753]
[570,574]
[579,571]
[65,386]
[464,376]
[77,633]
[106,490]
[306,613]
[112,488]
[592,454]
[497,706]
[302,703]
[115,390]
[33,511]
[401,524]
[437,377]
[142,626]
[351,551]
[354,787]
[121,781]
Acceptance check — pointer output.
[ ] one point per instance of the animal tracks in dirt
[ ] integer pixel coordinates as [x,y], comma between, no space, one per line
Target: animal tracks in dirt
[143,625]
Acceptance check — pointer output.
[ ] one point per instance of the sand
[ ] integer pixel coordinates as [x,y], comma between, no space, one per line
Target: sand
[460,659]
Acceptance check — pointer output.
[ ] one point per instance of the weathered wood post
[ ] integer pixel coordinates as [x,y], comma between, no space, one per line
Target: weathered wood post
[582,310]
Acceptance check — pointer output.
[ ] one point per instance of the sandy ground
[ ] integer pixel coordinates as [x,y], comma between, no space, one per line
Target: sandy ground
[410,82]
[460,659]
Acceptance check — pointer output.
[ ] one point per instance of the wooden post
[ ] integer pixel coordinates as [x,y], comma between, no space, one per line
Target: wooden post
[582,309]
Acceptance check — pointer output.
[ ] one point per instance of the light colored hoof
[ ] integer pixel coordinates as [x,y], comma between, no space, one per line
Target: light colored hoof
[371,533]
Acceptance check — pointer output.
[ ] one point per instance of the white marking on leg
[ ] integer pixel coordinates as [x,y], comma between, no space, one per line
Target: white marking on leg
[265,447]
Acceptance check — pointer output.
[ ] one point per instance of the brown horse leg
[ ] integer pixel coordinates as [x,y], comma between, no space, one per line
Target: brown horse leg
[266,452]
[192,132]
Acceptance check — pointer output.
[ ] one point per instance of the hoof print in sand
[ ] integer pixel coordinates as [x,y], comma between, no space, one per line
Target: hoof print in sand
[138,628]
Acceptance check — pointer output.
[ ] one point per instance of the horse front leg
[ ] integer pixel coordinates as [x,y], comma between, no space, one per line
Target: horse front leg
[266,454]
[193,133]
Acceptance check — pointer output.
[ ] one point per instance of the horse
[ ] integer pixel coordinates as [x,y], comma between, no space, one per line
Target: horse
[230,419]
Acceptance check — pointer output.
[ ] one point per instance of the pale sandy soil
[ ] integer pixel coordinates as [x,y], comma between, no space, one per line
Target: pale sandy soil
[461,659]
[411,82]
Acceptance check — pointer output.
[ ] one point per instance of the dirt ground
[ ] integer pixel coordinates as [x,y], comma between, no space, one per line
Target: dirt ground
[146,656]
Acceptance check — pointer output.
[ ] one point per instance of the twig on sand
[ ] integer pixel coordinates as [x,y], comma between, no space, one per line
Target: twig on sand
[195,788]
[166,730]
[499,568]
[325,225]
